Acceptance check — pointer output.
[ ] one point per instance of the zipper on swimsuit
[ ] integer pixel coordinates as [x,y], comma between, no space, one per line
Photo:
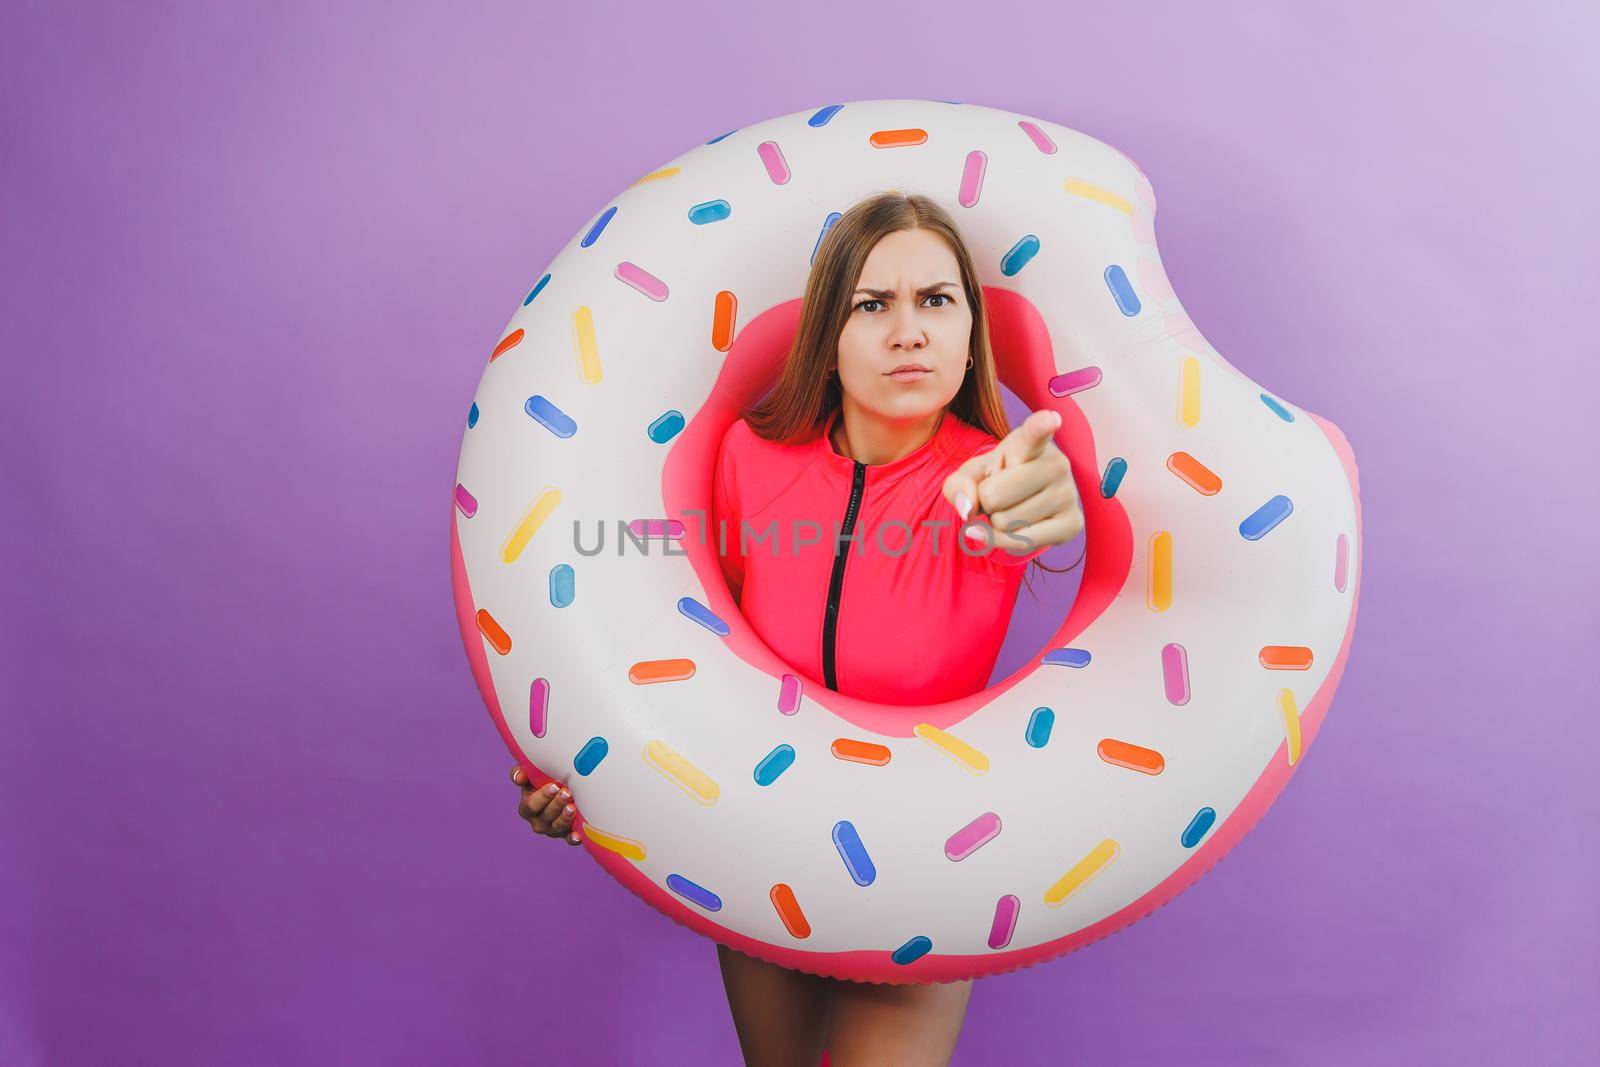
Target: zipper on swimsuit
[830,617]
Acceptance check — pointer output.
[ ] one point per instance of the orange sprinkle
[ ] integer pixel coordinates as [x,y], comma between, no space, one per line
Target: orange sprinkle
[789,911]
[1194,472]
[507,343]
[661,670]
[722,320]
[861,751]
[898,138]
[491,629]
[1285,657]
[1133,757]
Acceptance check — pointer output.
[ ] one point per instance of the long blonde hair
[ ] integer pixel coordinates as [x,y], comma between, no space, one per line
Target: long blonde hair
[805,397]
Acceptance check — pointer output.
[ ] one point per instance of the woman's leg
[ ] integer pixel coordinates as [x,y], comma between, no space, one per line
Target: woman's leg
[781,1015]
[899,1025]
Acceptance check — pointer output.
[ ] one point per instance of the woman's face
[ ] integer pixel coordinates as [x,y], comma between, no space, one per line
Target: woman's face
[908,307]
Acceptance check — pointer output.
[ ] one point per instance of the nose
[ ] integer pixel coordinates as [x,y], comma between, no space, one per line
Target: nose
[906,330]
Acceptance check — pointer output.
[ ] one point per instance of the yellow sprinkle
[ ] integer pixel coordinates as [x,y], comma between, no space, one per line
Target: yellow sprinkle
[1189,391]
[587,347]
[681,772]
[1099,194]
[626,847]
[1160,589]
[531,520]
[657,175]
[954,747]
[1291,722]
[1082,873]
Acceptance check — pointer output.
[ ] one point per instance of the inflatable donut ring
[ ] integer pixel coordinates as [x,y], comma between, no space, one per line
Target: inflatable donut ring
[894,843]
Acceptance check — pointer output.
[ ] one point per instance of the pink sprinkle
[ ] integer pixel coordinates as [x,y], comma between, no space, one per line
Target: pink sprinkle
[789,695]
[642,280]
[1075,381]
[973,836]
[1341,563]
[538,706]
[777,166]
[1175,672]
[972,178]
[1005,921]
[465,501]
[656,528]
[1041,140]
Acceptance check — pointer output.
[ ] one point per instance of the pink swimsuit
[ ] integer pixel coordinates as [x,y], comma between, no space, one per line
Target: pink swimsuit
[906,616]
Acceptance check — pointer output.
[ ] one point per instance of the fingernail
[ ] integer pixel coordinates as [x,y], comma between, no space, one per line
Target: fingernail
[963,505]
[974,535]
[569,809]
[565,794]
[550,790]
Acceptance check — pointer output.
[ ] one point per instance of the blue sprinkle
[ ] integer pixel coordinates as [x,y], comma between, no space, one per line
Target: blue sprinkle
[550,417]
[730,133]
[710,211]
[1039,725]
[1261,521]
[696,893]
[827,224]
[1117,279]
[535,290]
[472,415]
[1277,409]
[599,224]
[1068,657]
[590,755]
[561,585]
[912,950]
[703,615]
[1197,827]
[1020,254]
[666,427]
[821,118]
[1113,476]
[773,764]
[855,857]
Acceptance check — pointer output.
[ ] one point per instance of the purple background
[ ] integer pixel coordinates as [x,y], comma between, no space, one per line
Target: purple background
[251,809]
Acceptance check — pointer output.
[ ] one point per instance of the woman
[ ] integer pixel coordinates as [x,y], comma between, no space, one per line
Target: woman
[885,434]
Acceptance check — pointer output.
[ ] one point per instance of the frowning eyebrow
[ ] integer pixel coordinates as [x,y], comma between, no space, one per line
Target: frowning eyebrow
[884,294]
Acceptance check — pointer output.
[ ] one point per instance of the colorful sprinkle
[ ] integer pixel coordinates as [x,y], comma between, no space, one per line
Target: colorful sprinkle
[599,225]
[1261,521]
[1291,723]
[498,639]
[898,138]
[1099,194]
[724,314]
[794,920]
[658,175]
[507,343]
[789,695]
[466,503]
[1133,757]
[1040,139]
[820,119]
[1122,290]
[638,278]
[827,224]
[1018,256]
[1006,910]
[1040,723]
[952,746]
[626,847]
[1341,562]
[652,671]
[1082,873]
[860,751]
[709,212]
[1067,657]
[472,415]
[586,346]
[1075,381]
[538,706]
[680,772]
[1197,827]
[1158,590]
[773,764]
[1277,408]
[549,416]
[647,528]
[589,756]
[772,158]
[563,581]
[1175,673]
[695,894]
[854,854]
[972,179]
[912,950]
[529,524]
[1112,478]
[1189,391]
[665,427]
[720,137]
[973,836]
[691,608]
[1285,657]
[540,284]
[1195,474]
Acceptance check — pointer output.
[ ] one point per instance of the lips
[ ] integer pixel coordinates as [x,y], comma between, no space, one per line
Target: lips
[907,368]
